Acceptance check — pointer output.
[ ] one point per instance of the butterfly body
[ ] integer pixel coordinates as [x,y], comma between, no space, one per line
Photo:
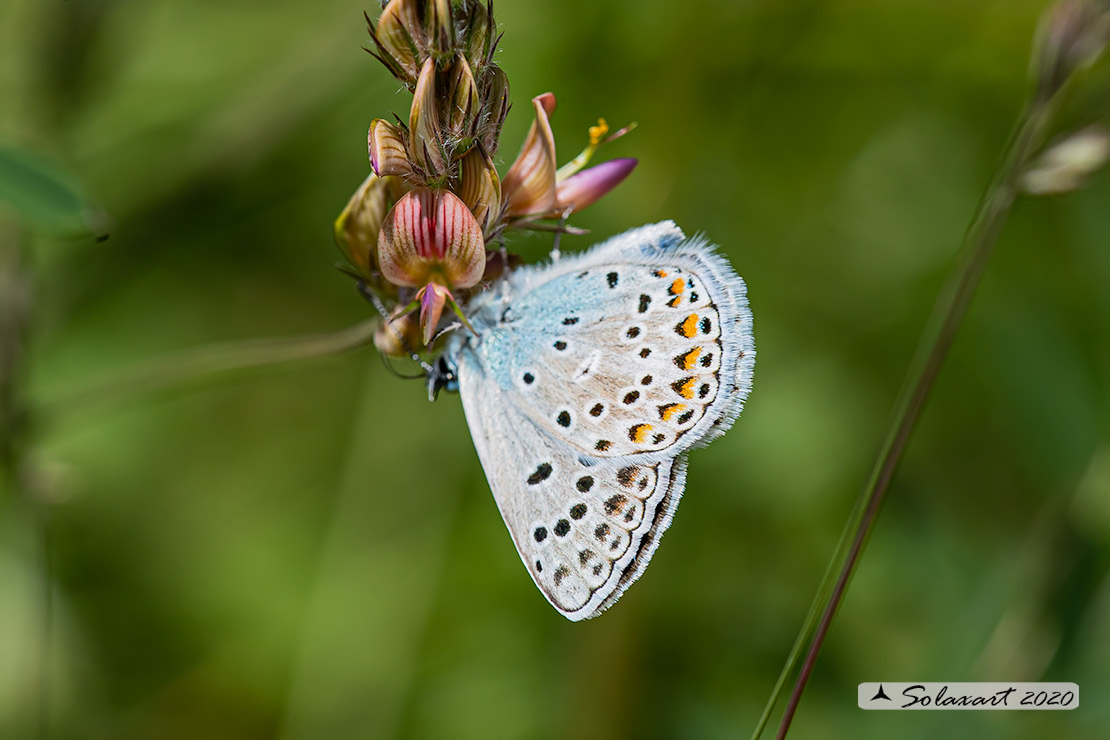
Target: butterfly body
[584,384]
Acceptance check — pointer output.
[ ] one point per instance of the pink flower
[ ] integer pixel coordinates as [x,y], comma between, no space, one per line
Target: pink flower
[535,187]
[431,240]
[431,236]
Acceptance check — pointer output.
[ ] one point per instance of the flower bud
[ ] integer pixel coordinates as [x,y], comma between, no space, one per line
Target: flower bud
[586,186]
[398,337]
[479,186]
[386,145]
[463,98]
[1072,35]
[479,35]
[441,24]
[529,185]
[432,297]
[401,40]
[425,145]
[495,106]
[358,226]
[431,236]
[1064,166]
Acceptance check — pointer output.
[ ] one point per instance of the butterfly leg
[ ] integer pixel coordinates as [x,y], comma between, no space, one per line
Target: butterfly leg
[555,253]
[446,330]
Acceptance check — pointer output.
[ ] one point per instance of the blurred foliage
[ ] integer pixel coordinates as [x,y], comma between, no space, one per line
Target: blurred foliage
[311,551]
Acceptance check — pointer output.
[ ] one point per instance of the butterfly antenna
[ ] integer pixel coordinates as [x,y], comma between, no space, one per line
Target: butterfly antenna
[369,295]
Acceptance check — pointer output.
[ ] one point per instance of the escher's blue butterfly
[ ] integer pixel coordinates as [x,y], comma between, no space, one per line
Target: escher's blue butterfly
[585,384]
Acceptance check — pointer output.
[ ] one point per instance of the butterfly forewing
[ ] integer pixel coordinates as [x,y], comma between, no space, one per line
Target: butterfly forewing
[618,359]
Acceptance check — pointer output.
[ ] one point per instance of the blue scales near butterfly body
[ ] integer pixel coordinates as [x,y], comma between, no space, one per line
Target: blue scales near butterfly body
[585,384]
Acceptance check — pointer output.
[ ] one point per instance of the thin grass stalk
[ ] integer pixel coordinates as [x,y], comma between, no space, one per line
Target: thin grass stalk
[936,340]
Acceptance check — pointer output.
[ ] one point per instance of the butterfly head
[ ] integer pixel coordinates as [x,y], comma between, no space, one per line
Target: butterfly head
[443,375]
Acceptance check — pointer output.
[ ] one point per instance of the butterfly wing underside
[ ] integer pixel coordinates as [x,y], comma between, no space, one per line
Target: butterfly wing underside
[584,529]
[586,389]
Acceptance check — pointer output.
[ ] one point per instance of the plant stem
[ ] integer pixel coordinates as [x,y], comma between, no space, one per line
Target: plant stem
[951,306]
[212,360]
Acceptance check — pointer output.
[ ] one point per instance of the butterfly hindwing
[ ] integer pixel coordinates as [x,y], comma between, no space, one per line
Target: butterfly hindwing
[584,529]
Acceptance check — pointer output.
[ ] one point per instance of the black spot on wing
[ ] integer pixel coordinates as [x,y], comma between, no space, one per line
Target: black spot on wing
[542,473]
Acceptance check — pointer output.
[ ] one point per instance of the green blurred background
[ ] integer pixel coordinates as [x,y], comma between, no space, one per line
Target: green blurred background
[311,551]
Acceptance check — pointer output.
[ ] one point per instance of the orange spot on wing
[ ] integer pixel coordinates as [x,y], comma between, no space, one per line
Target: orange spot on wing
[677,286]
[639,433]
[666,412]
[685,388]
[689,327]
[687,360]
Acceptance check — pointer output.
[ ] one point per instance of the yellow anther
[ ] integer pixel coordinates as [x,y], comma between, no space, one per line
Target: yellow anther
[596,132]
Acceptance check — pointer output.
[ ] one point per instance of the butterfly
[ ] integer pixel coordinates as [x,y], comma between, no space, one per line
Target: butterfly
[585,383]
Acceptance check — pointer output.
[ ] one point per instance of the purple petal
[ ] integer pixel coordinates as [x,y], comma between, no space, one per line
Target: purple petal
[431,309]
[583,188]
